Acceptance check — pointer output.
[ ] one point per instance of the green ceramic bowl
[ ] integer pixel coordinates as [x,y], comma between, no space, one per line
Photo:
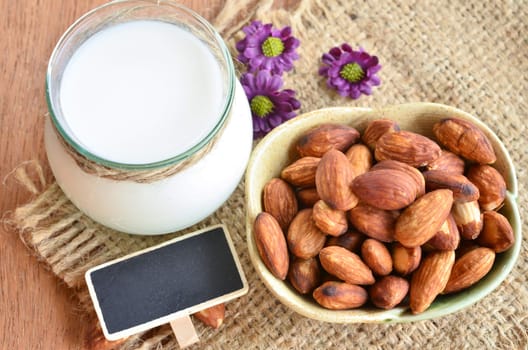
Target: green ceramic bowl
[276,150]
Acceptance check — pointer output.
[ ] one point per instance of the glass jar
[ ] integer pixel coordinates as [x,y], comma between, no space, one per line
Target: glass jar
[200,178]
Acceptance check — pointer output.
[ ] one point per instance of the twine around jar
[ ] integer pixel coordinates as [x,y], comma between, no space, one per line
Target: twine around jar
[141,176]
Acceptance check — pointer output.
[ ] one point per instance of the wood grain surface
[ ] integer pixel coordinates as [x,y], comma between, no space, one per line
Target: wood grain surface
[36,310]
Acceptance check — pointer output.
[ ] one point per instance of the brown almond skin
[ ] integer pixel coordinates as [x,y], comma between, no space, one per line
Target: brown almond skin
[447,238]
[317,141]
[335,295]
[469,269]
[333,178]
[331,221]
[271,245]
[412,171]
[491,185]
[307,197]
[305,240]
[388,291]
[360,158]
[407,147]
[422,219]
[345,265]
[376,255]
[387,189]
[301,173]
[351,240]
[376,128]
[304,275]
[430,279]
[463,190]
[212,316]
[468,219]
[405,260]
[497,232]
[448,162]
[280,201]
[465,139]
[375,223]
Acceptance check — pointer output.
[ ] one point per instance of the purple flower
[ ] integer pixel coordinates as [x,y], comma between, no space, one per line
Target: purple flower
[265,47]
[269,106]
[350,72]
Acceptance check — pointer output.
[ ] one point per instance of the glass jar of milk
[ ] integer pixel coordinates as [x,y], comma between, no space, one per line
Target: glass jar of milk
[149,130]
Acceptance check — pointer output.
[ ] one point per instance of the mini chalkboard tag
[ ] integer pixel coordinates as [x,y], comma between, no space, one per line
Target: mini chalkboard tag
[166,283]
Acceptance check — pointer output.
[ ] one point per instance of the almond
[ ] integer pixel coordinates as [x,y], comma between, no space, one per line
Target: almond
[468,219]
[405,260]
[465,139]
[331,221]
[447,238]
[307,197]
[497,232]
[340,296]
[350,240]
[422,219]
[430,279]
[305,240]
[271,245]
[360,159]
[376,128]
[469,269]
[304,275]
[333,178]
[212,316]
[345,265]
[407,147]
[491,185]
[463,190]
[448,162]
[301,173]
[388,292]
[377,257]
[321,139]
[374,222]
[387,189]
[413,172]
[280,201]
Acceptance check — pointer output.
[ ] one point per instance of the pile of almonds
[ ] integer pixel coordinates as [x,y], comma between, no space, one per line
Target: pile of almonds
[394,216]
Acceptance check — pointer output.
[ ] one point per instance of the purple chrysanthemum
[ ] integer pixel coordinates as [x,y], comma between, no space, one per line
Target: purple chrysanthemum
[350,72]
[265,47]
[270,106]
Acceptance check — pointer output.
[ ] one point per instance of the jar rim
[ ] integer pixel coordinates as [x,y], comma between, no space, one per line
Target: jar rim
[225,109]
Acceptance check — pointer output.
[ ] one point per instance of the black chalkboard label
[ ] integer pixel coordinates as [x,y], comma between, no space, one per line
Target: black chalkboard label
[174,279]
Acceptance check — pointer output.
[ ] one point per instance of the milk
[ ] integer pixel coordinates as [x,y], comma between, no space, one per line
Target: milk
[141,92]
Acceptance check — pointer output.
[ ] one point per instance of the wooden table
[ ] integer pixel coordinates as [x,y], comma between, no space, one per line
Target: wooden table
[36,310]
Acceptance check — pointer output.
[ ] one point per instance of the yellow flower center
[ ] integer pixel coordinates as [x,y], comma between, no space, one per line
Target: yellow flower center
[352,72]
[261,105]
[272,47]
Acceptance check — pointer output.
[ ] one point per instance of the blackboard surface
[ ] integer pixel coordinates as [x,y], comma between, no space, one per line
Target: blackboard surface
[166,280]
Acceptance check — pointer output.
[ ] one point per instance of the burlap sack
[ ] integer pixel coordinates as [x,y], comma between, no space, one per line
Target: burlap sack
[469,54]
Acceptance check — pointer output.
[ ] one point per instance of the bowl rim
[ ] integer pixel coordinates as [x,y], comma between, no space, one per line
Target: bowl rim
[453,303]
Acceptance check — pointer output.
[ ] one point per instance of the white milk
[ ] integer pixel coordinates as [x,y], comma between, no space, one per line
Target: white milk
[141,92]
